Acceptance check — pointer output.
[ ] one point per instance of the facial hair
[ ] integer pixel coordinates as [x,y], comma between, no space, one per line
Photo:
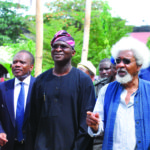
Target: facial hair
[123,80]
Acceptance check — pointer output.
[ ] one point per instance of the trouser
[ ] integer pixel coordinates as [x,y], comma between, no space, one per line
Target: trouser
[97,143]
[19,145]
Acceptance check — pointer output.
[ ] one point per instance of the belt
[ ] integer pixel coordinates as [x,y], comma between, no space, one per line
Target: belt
[19,142]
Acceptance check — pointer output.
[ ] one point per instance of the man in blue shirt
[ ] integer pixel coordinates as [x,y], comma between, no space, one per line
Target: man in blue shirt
[122,110]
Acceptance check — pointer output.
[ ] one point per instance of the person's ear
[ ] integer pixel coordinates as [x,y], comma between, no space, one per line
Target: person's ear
[73,52]
[139,67]
[31,67]
[93,77]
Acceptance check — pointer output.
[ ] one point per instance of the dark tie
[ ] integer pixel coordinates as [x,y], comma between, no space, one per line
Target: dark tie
[20,112]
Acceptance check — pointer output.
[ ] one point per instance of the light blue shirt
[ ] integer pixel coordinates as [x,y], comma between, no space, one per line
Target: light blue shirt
[124,129]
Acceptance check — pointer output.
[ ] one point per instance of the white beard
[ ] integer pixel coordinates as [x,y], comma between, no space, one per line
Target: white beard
[123,80]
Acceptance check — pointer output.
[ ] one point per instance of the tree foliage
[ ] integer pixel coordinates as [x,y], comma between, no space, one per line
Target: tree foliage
[69,15]
[11,23]
[13,48]
[148,43]
[105,30]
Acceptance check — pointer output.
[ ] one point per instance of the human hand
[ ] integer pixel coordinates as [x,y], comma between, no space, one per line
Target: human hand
[93,120]
[3,139]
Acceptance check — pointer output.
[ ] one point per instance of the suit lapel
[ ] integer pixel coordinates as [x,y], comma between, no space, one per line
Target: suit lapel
[10,99]
[27,110]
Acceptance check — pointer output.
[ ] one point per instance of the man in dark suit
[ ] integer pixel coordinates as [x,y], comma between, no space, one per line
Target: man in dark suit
[10,136]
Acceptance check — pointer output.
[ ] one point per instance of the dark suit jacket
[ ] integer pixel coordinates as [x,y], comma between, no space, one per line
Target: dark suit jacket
[7,118]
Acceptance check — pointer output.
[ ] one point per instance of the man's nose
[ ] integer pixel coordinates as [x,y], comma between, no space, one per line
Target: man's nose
[120,65]
[103,71]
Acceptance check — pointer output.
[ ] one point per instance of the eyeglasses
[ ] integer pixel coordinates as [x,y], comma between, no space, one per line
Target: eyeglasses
[125,61]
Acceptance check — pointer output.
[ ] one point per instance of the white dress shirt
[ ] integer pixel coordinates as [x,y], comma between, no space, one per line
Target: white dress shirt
[17,88]
[124,129]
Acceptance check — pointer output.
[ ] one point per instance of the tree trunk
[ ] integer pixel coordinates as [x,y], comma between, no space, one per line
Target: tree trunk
[86,30]
[39,38]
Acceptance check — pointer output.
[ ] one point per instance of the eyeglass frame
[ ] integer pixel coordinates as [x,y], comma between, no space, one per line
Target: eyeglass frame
[126,61]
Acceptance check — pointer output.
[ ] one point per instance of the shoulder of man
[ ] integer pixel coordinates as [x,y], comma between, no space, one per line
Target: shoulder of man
[7,84]
[80,73]
[82,77]
[101,81]
[44,74]
[32,78]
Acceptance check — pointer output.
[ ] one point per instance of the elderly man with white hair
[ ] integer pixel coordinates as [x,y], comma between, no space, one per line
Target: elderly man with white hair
[122,111]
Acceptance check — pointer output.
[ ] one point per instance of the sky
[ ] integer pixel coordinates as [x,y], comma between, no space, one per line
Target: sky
[136,12]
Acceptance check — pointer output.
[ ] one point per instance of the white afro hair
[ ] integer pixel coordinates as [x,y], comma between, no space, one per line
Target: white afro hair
[140,50]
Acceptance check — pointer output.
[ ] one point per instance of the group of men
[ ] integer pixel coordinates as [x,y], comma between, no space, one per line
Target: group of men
[57,110]
[49,114]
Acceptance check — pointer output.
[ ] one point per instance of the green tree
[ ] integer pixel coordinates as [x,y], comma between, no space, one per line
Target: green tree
[11,22]
[148,43]
[13,48]
[105,30]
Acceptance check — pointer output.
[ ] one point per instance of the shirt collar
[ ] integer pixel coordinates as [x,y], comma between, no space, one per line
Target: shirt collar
[123,95]
[26,80]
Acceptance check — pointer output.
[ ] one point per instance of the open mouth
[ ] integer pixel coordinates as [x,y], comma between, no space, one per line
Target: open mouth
[121,72]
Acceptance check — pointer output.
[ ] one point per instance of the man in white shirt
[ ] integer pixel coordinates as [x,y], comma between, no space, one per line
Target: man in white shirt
[13,117]
[122,110]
